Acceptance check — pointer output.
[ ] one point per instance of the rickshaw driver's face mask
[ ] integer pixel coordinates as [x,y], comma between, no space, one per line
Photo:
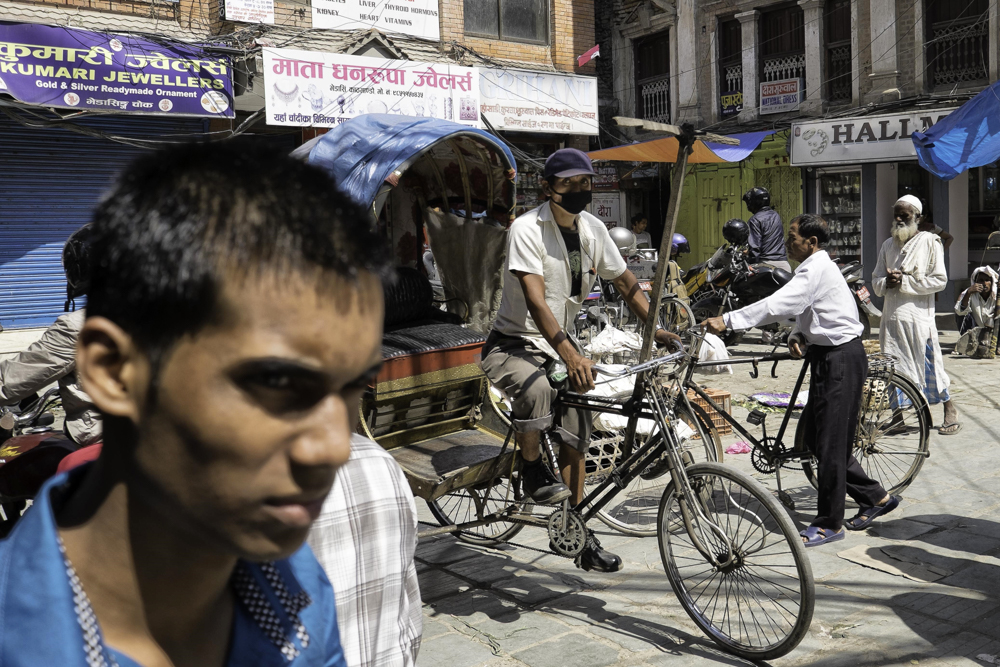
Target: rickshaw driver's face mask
[574,200]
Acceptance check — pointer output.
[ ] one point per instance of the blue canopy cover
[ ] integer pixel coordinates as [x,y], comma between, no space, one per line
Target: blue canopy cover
[968,137]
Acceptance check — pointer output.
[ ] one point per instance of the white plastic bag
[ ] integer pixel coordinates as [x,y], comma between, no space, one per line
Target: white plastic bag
[713,349]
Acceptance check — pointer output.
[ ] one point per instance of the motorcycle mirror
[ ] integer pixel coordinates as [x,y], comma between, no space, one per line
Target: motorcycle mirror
[7,420]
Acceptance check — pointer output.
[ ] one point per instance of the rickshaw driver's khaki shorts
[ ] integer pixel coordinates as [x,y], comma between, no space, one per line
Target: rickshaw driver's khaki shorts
[519,370]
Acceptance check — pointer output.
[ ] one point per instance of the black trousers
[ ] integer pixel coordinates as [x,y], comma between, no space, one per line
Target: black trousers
[830,420]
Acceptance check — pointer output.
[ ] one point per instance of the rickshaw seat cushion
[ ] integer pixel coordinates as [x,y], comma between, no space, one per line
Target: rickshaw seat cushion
[427,337]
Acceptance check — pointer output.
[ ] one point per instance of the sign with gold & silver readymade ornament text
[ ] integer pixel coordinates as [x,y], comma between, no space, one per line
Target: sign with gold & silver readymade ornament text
[309,88]
[527,101]
[866,138]
[79,69]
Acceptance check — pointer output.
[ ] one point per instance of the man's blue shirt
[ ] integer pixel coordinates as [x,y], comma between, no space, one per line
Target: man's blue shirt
[285,613]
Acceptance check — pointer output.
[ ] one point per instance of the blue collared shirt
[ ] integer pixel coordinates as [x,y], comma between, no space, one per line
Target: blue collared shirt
[284,617]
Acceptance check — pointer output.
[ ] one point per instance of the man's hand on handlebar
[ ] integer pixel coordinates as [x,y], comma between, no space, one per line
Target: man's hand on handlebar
[665,338]
[581,373]
[715,325]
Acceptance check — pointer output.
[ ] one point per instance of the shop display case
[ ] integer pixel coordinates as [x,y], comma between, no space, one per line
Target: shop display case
[839,200]
[528,183]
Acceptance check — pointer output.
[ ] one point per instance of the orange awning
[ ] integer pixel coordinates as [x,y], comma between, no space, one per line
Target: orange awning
[665,150]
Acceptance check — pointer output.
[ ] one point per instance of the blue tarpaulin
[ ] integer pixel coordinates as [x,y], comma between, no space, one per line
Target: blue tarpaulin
[968,137]
[363,152]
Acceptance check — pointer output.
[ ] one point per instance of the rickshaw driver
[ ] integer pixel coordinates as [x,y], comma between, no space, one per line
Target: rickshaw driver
[554,254]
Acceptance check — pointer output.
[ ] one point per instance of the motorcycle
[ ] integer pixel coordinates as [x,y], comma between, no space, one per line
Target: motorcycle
[698,279]
[852,272]
[30,453]
[737,285]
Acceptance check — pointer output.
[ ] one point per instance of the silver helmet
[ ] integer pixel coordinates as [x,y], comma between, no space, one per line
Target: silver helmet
[624,239]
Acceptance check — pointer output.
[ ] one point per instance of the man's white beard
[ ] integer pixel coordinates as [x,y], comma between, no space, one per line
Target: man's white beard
[902,234]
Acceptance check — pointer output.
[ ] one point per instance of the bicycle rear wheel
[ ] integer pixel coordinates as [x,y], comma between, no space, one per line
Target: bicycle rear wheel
[759,604]
[893,435]
[478,502]
[633,510]
[676,316]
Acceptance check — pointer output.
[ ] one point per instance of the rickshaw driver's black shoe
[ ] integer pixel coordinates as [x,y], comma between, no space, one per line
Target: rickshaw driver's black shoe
[595,557]
[541,485]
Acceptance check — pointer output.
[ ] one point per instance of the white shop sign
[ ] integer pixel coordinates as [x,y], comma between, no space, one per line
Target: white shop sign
[527,101]
[313,89]
[867,138]
[417,18]
[250,11]
[607,207]
[780,96]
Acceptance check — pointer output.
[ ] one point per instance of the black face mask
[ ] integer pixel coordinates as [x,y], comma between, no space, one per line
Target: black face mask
[574,202]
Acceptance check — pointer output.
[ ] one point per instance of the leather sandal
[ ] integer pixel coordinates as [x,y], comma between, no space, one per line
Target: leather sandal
[816,536]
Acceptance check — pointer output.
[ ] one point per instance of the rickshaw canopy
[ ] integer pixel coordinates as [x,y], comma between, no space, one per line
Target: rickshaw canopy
[665,150]
[363,153]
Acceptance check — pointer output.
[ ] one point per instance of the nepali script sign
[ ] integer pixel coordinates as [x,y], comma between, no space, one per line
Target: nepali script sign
[529,101]
[308,88]
[417,18]
[780,96]
[78,69]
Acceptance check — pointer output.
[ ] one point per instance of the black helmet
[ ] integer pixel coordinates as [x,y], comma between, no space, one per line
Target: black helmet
[757,198]
[736,231]
[76,263]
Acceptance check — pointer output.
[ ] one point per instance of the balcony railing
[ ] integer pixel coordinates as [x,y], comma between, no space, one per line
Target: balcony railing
[732,76]
[958,52]
[787,66]
[654,95]
[839,73]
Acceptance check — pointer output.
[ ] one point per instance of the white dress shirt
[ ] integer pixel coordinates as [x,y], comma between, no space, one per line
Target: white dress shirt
[817,297]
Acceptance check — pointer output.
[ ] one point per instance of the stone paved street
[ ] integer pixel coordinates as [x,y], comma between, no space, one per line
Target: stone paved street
[513,606]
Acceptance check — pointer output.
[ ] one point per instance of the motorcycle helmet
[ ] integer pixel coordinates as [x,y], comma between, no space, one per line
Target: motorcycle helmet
[624,239]
[736,232]
[756,198]
[76,264]
[679,245]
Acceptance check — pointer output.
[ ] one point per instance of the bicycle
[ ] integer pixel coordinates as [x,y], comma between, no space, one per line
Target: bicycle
[732,555]
[893,426]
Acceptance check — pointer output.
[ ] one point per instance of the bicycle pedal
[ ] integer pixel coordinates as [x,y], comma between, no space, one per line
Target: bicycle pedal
[756,417]
[786,500]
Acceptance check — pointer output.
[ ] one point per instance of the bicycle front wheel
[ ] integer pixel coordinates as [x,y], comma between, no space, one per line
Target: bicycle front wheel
[633,509]
[676,315]
[893,435]
[758,601]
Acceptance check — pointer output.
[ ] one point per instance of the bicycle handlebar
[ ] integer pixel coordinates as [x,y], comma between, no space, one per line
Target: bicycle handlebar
[639,368]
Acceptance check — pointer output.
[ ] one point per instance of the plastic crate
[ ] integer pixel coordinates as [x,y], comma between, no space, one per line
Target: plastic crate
[722,398]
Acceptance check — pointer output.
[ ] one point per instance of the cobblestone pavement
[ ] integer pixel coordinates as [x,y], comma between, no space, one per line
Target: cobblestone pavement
[513,606]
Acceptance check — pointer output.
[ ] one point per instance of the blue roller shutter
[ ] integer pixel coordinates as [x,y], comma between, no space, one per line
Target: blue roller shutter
[50,180]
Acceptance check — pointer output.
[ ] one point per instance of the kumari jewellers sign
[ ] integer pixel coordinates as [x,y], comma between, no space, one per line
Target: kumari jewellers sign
[79,69]
[309,88]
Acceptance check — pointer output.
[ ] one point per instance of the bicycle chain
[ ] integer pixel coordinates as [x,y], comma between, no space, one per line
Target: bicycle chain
[523,522]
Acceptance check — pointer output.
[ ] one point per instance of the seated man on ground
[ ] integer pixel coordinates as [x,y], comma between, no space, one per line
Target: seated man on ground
[554,254]
[219,272]
[977,305]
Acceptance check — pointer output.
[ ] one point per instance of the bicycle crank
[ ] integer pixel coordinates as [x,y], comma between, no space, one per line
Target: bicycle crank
[567,533]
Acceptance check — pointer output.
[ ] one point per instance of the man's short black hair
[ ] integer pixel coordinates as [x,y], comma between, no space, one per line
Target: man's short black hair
[811,224]
[639,217]
[182,221]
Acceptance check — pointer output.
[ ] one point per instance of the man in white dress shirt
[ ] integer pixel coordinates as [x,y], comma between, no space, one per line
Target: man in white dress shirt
[909,272]
[827,331]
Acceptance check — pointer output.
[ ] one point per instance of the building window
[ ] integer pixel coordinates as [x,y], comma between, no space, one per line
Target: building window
[957,42]
[783,42]
[730,37]
[839,73]
[652,78]
[509,20]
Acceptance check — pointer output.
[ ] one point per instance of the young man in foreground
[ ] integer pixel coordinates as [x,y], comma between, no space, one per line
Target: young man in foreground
[828,333]
[233,321]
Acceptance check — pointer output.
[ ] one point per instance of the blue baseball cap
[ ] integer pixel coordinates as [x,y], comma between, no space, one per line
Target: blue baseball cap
[567,162]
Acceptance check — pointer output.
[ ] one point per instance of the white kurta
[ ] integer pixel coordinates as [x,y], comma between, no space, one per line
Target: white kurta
[908,323]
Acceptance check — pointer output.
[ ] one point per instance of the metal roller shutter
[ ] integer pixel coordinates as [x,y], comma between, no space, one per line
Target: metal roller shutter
[50,180]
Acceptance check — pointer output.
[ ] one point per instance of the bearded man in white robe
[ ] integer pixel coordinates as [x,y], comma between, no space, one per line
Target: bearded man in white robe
[910,271]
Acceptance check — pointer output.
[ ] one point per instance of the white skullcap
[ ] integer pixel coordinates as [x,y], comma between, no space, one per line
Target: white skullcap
[912,201]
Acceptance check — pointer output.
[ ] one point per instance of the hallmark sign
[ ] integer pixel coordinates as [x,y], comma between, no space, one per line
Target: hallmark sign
[780,96]
[852,140]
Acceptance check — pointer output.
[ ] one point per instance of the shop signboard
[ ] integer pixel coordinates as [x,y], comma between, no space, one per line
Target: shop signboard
[250,11]
[607,177]
[416,18]
[527,101]
[866,138]
[780,96]
[731,102]
[78,69]
[313,89]
[607,207]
